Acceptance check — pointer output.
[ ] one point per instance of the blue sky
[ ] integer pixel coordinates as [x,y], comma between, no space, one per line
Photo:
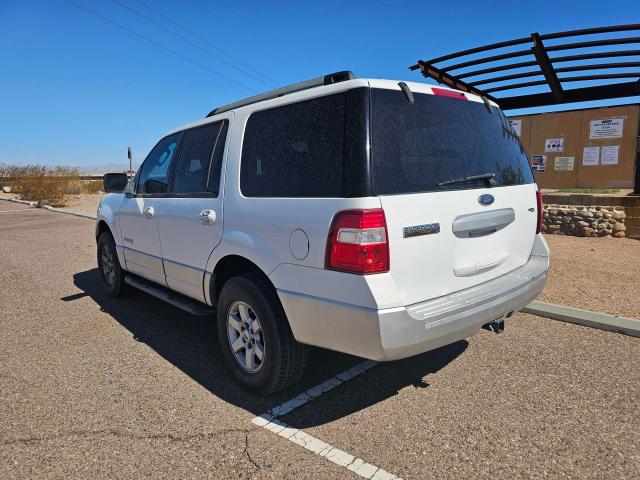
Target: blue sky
[76,90]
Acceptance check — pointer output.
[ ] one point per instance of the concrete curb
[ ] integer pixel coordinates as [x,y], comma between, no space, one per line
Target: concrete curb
[50,208]
[587,318]
[15,200]
[69,212]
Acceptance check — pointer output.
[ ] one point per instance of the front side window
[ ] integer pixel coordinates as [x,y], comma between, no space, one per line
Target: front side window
[154,173]
[296,150]
[193,167]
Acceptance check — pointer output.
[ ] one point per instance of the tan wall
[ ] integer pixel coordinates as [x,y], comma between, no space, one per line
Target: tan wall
[573,126]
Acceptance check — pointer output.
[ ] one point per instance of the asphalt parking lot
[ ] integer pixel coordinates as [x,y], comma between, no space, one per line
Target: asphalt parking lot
[102,388]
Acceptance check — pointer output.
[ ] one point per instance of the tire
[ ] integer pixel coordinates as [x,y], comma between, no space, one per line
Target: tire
[249,300]
[109,270]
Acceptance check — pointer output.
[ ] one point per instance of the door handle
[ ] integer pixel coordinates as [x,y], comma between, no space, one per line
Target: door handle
[207,217]
[148,212]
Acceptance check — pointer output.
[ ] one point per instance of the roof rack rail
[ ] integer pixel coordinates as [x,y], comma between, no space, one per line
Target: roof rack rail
[329,79]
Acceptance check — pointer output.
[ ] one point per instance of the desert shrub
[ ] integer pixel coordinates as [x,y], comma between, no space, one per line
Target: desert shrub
[44,189]
[15,171]
[92,186]
[15,176]
[38,183]
[74,187]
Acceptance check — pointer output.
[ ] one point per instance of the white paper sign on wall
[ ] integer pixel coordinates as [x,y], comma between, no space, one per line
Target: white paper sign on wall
[563,164]
[554,145]
[607,128]
[610,154]
[591,156]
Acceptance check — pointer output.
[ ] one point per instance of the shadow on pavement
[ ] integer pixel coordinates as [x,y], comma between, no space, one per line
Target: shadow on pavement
[377,385]
[190,344]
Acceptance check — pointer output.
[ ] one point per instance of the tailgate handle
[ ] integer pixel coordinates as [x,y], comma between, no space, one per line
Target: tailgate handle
[483,223]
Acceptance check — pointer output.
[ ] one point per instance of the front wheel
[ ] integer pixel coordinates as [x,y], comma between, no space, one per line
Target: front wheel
[110,272]
[254,335]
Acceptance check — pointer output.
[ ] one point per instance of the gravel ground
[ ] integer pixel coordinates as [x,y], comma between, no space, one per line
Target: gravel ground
[600,274]
[102,388]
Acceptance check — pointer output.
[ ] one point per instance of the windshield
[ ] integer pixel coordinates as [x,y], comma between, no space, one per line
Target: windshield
[441,143]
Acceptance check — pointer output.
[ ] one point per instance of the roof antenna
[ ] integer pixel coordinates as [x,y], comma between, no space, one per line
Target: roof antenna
[408,94]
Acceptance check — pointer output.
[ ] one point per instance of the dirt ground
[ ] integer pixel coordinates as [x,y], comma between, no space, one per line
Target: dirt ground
[84,203]
[600,274]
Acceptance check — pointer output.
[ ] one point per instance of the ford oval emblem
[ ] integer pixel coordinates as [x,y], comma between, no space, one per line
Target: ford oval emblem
[486,199]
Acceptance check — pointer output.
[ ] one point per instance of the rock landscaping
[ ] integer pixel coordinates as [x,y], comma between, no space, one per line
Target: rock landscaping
[584,221]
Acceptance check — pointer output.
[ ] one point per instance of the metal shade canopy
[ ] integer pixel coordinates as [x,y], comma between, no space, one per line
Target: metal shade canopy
[499,68]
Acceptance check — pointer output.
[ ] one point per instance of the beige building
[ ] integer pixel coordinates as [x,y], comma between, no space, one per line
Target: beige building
[594,147]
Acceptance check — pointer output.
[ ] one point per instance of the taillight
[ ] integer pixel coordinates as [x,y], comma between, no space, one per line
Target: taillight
[358,242]
[449,93]
[539,202]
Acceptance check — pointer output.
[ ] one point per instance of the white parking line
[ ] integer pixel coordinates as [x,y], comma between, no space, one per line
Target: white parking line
[270,421]
[15,210]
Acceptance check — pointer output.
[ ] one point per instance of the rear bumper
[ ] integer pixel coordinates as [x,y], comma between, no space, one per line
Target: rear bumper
[395,333]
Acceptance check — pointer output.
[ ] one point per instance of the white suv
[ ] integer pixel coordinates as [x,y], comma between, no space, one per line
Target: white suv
[378,218]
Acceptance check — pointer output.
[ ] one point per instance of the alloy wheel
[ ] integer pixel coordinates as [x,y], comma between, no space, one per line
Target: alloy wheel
[245,337]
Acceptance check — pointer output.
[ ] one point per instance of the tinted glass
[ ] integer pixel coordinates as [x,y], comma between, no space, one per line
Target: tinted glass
[192,170]
[154,173]
[216,161]
[438,139]
[295,150]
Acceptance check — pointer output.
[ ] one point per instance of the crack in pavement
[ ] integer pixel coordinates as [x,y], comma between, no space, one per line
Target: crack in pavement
[118,433]
[246,448]
[160,436]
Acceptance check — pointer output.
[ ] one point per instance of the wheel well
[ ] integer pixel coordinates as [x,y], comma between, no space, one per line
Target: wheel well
[229,267]
[102,227]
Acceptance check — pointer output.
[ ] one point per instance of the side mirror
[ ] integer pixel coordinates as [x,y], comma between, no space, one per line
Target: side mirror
[115,182]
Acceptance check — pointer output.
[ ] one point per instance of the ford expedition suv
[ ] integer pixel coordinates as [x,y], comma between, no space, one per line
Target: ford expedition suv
[378,218]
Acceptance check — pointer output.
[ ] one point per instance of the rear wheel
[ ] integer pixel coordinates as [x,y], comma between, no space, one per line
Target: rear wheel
[110,272]
[254,335]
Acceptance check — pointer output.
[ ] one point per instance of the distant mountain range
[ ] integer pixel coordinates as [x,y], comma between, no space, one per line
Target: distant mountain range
[105,168]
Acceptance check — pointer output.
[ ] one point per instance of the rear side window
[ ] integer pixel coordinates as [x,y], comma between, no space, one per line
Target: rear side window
[295,150]
[154,173]
[192,171]
[433,144]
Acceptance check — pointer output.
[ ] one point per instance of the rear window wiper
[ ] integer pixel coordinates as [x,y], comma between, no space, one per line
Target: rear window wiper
[483,176]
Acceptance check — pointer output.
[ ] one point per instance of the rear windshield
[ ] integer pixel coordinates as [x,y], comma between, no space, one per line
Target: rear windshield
[435,143]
